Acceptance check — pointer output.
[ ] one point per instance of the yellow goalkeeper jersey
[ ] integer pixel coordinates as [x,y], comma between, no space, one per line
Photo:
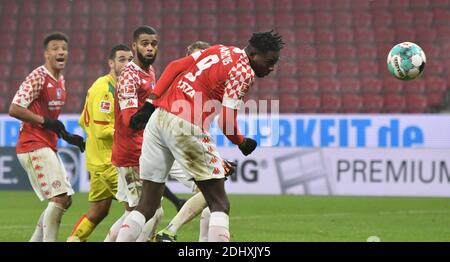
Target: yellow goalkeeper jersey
[97,119]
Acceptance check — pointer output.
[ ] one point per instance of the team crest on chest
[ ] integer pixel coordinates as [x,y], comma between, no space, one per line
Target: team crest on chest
[58,93]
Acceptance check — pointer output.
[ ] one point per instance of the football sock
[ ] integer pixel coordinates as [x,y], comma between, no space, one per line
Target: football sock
[218,227]
[83,228]
[204,225]
[131,227]
[52,220]
[38,234]
[149,229]
[190,209]
[114,230]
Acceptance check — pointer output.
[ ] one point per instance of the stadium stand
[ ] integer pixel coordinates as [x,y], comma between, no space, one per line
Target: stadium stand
[334,60]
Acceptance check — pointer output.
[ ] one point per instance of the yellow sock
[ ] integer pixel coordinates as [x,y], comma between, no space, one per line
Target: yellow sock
[83,229]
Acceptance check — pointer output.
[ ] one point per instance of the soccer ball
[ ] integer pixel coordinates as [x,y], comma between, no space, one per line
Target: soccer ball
[406,61]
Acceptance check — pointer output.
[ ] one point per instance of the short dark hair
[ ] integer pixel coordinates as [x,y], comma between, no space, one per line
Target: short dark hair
[197,45]
[119,47]
[144,29]
[266,41]
[55,36]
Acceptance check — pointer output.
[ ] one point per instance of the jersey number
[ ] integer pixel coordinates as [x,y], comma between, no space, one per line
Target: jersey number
[203,64]
[86,116]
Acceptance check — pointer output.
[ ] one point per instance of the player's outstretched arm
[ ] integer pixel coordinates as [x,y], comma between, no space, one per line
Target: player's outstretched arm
[170,73]
[228,125]
[247,146]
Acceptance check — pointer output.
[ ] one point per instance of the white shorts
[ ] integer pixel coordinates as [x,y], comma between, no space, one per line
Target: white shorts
[46,173]
[178,173]
[167,138]
[129,186]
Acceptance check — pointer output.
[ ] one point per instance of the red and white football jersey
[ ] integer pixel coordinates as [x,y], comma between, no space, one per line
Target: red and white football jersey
[133,88]
[220,75]
[43,95]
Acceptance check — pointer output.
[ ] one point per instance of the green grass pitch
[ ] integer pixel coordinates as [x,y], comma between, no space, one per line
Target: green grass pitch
[267,218]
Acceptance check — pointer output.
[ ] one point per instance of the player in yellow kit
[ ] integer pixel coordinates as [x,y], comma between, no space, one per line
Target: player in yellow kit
[97,119]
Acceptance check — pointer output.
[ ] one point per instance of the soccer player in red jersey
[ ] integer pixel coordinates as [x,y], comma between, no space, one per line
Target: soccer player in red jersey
[192,48]
[134,85]
[38,103]
[189,93]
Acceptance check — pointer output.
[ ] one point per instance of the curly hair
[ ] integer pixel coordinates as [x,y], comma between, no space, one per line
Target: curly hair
[266,41]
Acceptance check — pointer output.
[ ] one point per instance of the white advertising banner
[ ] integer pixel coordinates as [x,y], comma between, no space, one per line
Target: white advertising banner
[311,131]
[334,171]
[397,155]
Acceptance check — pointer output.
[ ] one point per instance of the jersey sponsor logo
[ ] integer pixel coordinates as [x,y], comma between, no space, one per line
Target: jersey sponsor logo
[105,107]
[128,103]
[55,103]
[50,85]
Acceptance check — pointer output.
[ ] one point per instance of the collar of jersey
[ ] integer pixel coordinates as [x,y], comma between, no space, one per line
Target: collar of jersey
[50,74]
[140,69]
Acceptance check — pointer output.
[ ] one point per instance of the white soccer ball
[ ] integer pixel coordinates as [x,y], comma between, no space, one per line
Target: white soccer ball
[406,61]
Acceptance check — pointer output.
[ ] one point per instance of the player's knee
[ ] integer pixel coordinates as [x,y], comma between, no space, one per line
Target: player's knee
[147,212]
[226,206]
[67,202]
[220,206]
[64,200]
